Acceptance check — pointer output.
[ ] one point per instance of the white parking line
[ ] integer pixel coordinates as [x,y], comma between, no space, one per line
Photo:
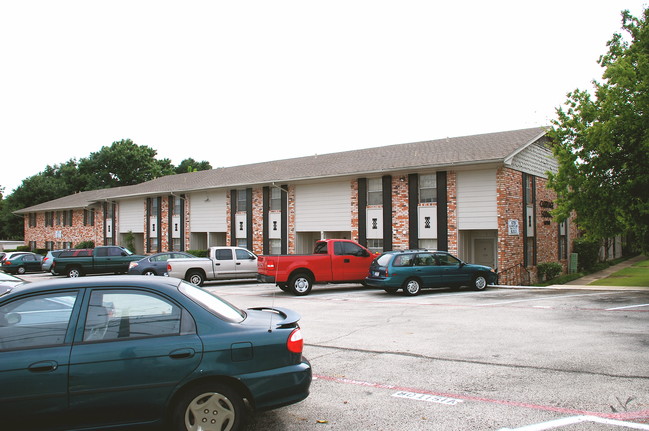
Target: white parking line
[558,423]
[628,306]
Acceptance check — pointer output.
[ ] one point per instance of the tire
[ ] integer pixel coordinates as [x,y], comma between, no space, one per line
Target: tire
[195,277]
[149,272]
[479,282]
[21,270]
[74,272]
[283,286]
[211,406]
[412,287]
[391,290]
[300,284]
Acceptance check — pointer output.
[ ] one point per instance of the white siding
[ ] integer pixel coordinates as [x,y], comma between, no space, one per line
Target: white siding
[372,231]
[427,230]
[535,160]
[207,212]
[131,216]
[323,207]
[476,200]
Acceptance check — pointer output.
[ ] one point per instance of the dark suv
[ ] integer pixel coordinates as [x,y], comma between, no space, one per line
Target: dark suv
[413,270]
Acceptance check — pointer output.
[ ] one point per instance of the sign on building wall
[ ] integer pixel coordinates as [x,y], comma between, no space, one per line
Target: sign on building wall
[513,227]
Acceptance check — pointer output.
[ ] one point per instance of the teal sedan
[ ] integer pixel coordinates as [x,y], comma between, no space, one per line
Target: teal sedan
[115,351]
[413,270]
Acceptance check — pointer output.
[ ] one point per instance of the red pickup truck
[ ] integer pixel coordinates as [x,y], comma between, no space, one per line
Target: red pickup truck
[332,261]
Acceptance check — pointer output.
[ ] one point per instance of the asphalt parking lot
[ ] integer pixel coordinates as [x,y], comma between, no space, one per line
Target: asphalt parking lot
[501,359]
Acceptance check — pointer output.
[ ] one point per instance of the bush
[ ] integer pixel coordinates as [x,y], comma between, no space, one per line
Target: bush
[549,270]
[588,251]
[23,248]
[198,253]
[85,244]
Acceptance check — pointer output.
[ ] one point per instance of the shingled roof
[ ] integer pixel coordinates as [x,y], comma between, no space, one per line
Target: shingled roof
[440,153]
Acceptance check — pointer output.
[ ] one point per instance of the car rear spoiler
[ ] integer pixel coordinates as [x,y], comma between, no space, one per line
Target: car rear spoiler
[289,317]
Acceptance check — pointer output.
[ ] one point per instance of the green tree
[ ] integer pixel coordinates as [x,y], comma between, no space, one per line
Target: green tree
[123,164]
[191,165]
[602,142]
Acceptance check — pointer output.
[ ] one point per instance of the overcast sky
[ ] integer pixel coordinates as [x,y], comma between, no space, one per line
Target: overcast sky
[238,82]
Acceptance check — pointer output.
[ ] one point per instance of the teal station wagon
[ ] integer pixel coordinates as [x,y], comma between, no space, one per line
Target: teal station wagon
[106,352]
[413,270]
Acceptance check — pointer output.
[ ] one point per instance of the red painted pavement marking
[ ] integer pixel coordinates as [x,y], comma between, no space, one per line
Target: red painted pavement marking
[620,416]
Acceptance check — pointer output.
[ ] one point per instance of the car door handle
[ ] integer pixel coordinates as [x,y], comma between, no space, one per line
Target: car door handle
[182,353]
[238,263]
[43,366]
[346,260]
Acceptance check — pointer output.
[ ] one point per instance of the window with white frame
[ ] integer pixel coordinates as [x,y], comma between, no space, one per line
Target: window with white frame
[241,200]
[375,191]
[427,188]
[375,245]
[275,199]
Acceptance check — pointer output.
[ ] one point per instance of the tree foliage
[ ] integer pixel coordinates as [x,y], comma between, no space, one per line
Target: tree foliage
[121,164]
[602,142]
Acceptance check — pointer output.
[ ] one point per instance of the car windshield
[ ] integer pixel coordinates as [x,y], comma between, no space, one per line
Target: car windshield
[212,303]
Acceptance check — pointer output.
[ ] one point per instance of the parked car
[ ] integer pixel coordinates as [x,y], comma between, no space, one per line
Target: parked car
[412,270]
[12,254]
[99,260]
[156,264]
[8,282]
[22,263]
[49,258]
[108,351]
[332,261]
[223,263]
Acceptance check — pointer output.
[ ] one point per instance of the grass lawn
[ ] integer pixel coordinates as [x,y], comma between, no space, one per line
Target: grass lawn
[636,276]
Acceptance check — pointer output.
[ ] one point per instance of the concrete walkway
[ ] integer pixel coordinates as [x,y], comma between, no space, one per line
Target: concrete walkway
[585,281]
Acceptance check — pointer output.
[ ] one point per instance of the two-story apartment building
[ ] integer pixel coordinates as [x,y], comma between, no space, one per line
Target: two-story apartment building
[482,197]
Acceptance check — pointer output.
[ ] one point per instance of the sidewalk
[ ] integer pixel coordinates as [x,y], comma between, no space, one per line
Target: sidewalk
[585,281]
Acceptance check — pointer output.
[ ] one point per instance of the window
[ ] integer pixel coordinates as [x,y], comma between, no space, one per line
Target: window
[175,244]
[427,188]
[446,260]
[153,207]
[114,315]
[425,259]
[428,244]
[32,220]
[529,257]
[375,191]
[275,199]
[89,217]
[223,254]
[348,249]
[36,321]
[275,246]
[563,240]
[49,219]
[241,200]
[176,207]
[244,254]
[375,245]
[404,260]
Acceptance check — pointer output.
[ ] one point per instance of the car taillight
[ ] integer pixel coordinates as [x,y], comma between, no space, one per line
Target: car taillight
[168,267]
[295,342]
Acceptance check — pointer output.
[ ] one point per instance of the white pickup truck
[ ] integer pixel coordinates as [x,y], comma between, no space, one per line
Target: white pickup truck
[224,263]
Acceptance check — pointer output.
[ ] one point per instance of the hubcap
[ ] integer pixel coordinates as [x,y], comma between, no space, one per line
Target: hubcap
[480,283]
[412,287]
[210,412]
[301,284]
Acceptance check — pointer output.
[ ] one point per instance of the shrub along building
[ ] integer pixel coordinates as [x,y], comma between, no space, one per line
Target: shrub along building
[483,198]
